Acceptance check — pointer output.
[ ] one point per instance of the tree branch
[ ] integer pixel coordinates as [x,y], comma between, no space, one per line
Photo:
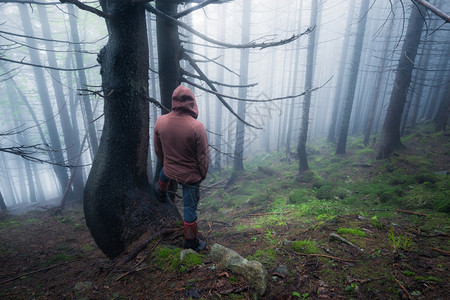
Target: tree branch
[197,7]
[209,83]
[434,10]
[88,8]
[45,67]
[253,44]
[250,85]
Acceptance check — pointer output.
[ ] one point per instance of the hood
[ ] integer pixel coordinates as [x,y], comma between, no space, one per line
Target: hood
[183,101]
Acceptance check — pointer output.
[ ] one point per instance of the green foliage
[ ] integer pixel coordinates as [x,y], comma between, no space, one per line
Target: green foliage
[306,246]
[300,196]
[399,242]
[352,231]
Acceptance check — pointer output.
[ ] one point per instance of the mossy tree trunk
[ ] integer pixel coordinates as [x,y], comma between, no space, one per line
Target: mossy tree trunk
[118,203]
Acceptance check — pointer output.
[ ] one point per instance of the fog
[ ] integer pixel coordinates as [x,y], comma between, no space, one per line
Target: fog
[28,75]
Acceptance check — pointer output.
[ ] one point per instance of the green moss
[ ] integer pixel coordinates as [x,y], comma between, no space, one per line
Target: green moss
[59,258]
[305,246]
[264,256]
[352,231]
[169,258]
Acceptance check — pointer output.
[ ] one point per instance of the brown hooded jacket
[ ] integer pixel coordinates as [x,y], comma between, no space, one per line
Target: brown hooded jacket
[180,139]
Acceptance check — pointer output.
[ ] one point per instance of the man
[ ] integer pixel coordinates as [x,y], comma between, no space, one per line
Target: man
[181,144]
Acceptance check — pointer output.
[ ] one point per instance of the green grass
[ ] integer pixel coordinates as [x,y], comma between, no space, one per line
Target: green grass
[352,231]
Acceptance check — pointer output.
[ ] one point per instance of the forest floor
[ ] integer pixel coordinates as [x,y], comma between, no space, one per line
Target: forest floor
[395,212]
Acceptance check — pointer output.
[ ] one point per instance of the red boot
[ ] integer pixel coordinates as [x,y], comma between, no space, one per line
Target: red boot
[190,237]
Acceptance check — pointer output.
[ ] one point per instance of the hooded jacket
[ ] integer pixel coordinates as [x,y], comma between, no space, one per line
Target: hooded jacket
[180,140]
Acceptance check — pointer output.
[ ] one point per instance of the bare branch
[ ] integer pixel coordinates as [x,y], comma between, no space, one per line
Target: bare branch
[253,44]
[197,7]
[209,83]
[45,67]
[434,10]
[88,8]
[47,40]
[184,72]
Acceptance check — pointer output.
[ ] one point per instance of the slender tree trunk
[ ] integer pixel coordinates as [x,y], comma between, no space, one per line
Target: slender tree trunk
[441,118]
[376,94]
[340,77]
[2,202]
[238,163]
[90,125]
[60,172]
[71,146]
[118,203]
[220,78]
[294,85]
[354,70]
[390,134]
[310,61]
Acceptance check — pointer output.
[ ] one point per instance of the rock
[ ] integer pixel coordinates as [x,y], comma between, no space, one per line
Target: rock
[252,270]
[282,269]
[183,253]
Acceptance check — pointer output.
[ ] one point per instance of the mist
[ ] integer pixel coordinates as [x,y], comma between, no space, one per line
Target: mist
[52,100]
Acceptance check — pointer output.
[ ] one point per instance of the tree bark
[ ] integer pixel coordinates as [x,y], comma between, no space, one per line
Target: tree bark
[390,134]
[118,203]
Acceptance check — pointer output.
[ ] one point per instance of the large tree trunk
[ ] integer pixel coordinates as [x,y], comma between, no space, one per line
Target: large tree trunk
[118,203]
[354,70]
[390,134]
[238,162]
[310,60]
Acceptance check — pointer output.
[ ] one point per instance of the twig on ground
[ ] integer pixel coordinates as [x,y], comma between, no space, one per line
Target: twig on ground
[29,273]
[446,253]
[403,288]
[408,212]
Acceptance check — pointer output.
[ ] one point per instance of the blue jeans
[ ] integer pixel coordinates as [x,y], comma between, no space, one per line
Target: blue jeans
[191,197]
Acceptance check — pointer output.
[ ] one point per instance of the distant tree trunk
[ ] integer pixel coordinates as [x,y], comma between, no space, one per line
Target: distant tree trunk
[60,172]
[72,144]
[90,126]
[310,61]
[2,202]
[354,70]
[444,110]
[220,78]
[118,203]
[238,163]
[340,77]
[294,85]
[390,134]
[377,87]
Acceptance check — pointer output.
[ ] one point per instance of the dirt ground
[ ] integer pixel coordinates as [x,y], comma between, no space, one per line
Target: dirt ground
[48,255]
